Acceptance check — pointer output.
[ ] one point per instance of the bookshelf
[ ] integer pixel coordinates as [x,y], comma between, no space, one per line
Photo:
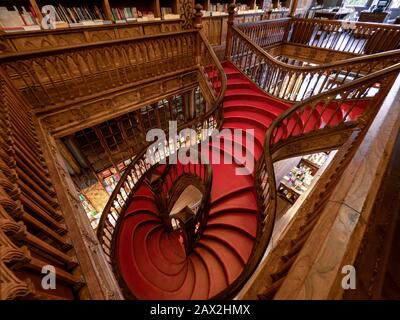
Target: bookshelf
[77,13]
[145,10]
[243,6]
[168,8]
[20,15]
[26,15]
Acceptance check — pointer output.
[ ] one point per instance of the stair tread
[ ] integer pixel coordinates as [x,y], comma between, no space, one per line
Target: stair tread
[201,284]
[231,261]
[146,263]
[245,221]
[215,270]
[242,200]
[239,239]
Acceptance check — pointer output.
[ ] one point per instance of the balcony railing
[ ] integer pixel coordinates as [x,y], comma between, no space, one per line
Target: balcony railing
[336,35]
[291,83]
[54,78]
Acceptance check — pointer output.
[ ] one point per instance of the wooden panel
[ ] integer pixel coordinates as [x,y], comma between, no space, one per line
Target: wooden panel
[61,38]
[90,113]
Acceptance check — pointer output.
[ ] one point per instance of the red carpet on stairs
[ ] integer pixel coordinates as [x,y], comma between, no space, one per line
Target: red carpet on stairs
[153,263]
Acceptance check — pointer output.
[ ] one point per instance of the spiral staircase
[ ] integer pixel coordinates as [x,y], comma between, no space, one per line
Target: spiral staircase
[212,253]
[151,258]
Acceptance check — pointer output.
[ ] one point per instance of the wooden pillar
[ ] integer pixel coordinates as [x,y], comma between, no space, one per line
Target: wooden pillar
[107,10]
[293,7]
[231,20]
[198,25]
[198,17]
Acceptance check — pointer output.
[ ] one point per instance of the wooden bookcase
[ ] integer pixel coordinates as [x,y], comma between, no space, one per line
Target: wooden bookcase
[153,6]
[207,4]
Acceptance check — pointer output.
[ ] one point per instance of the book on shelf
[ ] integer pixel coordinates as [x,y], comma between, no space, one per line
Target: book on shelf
[125,14]
[219,7]
[18,19]
[168,14]
[80,16]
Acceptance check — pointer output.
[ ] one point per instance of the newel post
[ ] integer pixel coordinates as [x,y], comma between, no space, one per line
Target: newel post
[198,25]
[198,16]
[293,7]
[231,20]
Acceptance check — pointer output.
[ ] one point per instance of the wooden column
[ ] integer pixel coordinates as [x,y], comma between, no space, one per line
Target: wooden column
[231,19]
[293,7]
[198,25]
[107,10]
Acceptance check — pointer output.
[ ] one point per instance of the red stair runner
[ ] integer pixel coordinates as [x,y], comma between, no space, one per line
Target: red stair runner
[153,263]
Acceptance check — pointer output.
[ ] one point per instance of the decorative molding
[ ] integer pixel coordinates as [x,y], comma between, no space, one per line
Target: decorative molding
[78,117]
[186,10]
[53,39]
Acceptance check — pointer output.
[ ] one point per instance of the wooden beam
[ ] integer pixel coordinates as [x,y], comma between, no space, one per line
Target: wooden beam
[69,157]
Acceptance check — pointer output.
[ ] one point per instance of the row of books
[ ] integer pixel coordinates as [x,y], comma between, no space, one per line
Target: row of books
[167,13]
[22,19]
[129,14]
[219,7]
[18,19]
[79,14]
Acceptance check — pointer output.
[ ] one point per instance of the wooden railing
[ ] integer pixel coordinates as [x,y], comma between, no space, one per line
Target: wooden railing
[62,76]
[337,35]
[310,126]
[292,83]
[30,213]
[213,75]
[340,35]
[266,33]
[171,185]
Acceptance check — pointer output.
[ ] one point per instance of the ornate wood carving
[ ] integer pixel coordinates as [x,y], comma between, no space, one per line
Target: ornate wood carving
[83,115]
[186,10]
[293,83]
[29,211]
[53,39]
[55,80]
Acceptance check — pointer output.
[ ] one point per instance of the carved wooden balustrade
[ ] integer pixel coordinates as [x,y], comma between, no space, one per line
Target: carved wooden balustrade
[336,35]
[145,161]
[59,77]
[32,230]
[292,83]
[266,33]
[313,126]
[170,186]
[341,35]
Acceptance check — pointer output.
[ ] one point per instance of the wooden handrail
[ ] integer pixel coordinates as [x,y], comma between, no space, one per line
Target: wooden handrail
[220,85]
[305,122]
[340,35]
[266,33]
[77,48]
[291,83]
[335,35]
[171,185]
